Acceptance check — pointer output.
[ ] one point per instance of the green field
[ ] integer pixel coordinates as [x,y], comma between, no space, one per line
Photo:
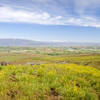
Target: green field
[57,73]
[40,55]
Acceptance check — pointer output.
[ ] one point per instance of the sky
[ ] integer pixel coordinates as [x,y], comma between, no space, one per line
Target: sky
[51,20]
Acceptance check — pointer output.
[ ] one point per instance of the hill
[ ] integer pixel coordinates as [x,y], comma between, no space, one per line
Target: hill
[49,82]
[25,43]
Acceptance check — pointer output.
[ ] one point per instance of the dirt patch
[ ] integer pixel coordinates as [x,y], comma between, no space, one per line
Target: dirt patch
[54,95]
[77,85]
[12,93]
[13,78]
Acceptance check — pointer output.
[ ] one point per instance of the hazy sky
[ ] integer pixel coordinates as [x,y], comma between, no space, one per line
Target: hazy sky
[51,20]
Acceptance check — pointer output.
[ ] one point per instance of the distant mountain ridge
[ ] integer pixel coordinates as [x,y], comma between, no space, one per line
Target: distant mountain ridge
[27,43]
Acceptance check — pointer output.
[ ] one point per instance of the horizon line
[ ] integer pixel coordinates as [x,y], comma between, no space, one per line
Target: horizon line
[55,41]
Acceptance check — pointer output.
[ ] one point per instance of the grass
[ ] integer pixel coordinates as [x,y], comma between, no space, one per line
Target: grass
[60,73]
[49,82]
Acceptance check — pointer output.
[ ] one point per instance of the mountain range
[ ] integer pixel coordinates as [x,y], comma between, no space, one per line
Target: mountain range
[27,43]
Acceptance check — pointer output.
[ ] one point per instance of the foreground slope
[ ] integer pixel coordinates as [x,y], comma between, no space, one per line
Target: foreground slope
[49,82]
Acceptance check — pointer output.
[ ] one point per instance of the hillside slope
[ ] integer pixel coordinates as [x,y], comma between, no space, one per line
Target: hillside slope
[49,82]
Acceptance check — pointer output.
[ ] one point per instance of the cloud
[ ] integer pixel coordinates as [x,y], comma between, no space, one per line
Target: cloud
[84,21]
[51,12]
[11,15]
[83,6]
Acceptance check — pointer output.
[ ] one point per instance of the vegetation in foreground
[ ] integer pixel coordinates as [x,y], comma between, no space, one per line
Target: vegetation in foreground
[49,82]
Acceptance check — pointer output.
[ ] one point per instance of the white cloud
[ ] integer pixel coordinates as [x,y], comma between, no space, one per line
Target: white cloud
[8,14]
[84,21]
